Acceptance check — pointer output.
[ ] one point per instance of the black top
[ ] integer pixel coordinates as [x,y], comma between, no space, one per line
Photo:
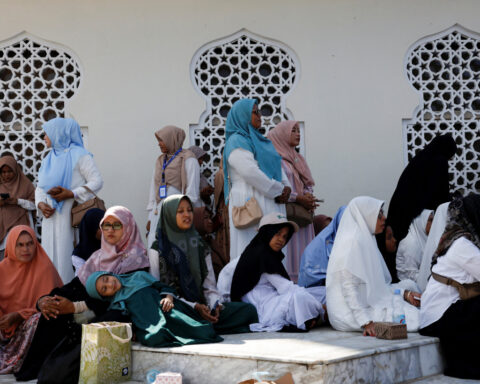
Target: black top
[88,228]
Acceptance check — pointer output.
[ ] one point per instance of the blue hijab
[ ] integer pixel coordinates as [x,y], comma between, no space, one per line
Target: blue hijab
[314,262]
[67,148]
[240,133]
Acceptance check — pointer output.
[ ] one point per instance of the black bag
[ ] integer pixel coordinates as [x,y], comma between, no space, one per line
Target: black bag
[62,366]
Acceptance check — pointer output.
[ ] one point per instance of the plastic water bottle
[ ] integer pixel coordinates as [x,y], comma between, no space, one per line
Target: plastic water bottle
[398,315]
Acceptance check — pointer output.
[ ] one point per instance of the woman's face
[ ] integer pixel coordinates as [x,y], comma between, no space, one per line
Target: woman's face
[107,285]
[295,136]
[184,215]
[162,146]
[48,142]
[112,229]
[380,222]
[390,241]
[429,223]
[25,248]
[279,240]
[6,174]
[256,117]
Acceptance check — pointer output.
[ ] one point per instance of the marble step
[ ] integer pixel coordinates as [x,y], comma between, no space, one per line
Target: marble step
[321,356]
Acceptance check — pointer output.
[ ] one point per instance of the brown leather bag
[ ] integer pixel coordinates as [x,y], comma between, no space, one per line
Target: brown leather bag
[298,214]
[247,215]
[466,291]
[79,210]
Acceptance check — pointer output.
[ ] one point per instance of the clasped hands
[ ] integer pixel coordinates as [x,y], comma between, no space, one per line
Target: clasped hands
[308,201]
[52,306]
[9,201]
[58,194]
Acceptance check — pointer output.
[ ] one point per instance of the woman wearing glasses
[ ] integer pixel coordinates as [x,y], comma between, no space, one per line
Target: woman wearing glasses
[252,169]
[64,173]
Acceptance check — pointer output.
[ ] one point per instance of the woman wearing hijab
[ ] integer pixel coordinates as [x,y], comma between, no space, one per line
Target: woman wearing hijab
[159,318]
[64,173]
[252,169]
[90,235]
[436,232]
[17,198]
[186,265]
[176,172]
[359,292]
[26,274]
[423,184]
[314,262]
[261,279]
[444,313]
[387,245]
[121,251]
[410,250]
[286,137]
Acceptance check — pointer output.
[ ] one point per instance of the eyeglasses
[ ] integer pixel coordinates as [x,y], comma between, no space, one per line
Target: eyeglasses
[257,112]
[114,226]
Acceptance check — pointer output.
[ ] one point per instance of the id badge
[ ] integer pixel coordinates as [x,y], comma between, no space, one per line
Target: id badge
[162,191]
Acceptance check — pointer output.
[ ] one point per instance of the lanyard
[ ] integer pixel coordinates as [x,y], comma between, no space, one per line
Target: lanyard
[167,163]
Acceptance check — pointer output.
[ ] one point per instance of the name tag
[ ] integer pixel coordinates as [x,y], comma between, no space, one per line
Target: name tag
[162,191]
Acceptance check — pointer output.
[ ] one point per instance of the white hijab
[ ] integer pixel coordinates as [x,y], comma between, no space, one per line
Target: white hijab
[355,250]
[436,232]
[413,245]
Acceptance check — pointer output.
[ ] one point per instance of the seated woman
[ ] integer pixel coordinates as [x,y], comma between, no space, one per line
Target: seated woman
[410,249]
[359,292]
[261,279]
[159,318]
[17,198]
[121,251]
[314,262]
[444,313]
[25,275]
[90,236]
[186,264]
[387,245]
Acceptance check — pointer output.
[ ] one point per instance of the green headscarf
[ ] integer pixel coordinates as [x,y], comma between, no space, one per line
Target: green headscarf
[189,242]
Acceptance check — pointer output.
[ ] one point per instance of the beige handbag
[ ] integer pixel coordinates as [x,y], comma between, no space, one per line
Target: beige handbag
[79,210]
[247,215]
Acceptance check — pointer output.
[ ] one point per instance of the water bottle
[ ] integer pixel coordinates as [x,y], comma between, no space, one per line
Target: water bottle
[398,315]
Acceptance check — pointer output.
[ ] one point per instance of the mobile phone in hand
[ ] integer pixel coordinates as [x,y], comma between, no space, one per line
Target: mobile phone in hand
[5,196]
[213,312]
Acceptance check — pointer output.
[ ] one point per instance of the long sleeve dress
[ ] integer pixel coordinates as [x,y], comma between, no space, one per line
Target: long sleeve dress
[192,170]
[28,206]
[57,231]
[247,181]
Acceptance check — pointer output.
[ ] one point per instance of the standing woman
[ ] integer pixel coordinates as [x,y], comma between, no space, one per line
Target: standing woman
[252,168]
[64,173]
[15,209]
[285,137]
[177,171]
[25,275]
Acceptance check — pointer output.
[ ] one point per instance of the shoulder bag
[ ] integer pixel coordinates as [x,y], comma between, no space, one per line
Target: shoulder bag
[79,210]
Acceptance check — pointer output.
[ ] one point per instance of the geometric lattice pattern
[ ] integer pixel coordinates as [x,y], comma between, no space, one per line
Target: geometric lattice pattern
[239,66]
[36,80]
[445,70]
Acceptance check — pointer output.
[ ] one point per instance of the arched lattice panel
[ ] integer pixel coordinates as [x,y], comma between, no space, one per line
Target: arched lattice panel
[37,78]
[445,70]
[239,66]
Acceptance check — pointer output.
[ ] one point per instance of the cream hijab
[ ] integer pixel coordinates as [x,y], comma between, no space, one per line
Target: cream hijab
[355,250]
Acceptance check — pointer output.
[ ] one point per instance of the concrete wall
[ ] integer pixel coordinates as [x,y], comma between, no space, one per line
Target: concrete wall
[352,93]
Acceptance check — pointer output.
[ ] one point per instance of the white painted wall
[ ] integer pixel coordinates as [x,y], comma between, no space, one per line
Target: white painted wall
[352,93]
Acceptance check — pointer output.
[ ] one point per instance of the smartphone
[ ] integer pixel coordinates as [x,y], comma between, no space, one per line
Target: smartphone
[213,312]
[5,196]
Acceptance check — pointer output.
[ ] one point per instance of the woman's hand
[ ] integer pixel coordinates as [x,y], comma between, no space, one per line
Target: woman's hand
[65,306]
[46,209]
[369,329]
[48,306]
[412,298]
[283,198]
[167,303]
[204,311]
[60,193]
[11,201]
[9,320]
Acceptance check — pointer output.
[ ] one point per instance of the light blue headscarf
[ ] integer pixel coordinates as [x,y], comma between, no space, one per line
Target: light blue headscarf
[240,133]
[314,262]
[67,148]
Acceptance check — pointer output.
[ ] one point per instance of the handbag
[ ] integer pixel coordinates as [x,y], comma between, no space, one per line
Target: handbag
[299,215]
[247,215]
[79,210]
[390,331]
[466,291]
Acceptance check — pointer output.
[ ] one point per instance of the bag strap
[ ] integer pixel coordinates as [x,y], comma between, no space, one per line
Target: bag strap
[118,338]
[89,190]
[446,280]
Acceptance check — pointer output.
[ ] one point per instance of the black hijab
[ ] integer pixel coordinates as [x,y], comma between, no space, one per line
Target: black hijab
[256,259]
[88,229]
[389,257]
[423,184]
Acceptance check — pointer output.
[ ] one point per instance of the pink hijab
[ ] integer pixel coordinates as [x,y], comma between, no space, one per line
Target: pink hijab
[280,137]
[128,255]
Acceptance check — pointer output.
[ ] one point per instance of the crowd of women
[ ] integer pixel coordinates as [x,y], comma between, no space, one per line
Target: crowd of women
[227,258]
